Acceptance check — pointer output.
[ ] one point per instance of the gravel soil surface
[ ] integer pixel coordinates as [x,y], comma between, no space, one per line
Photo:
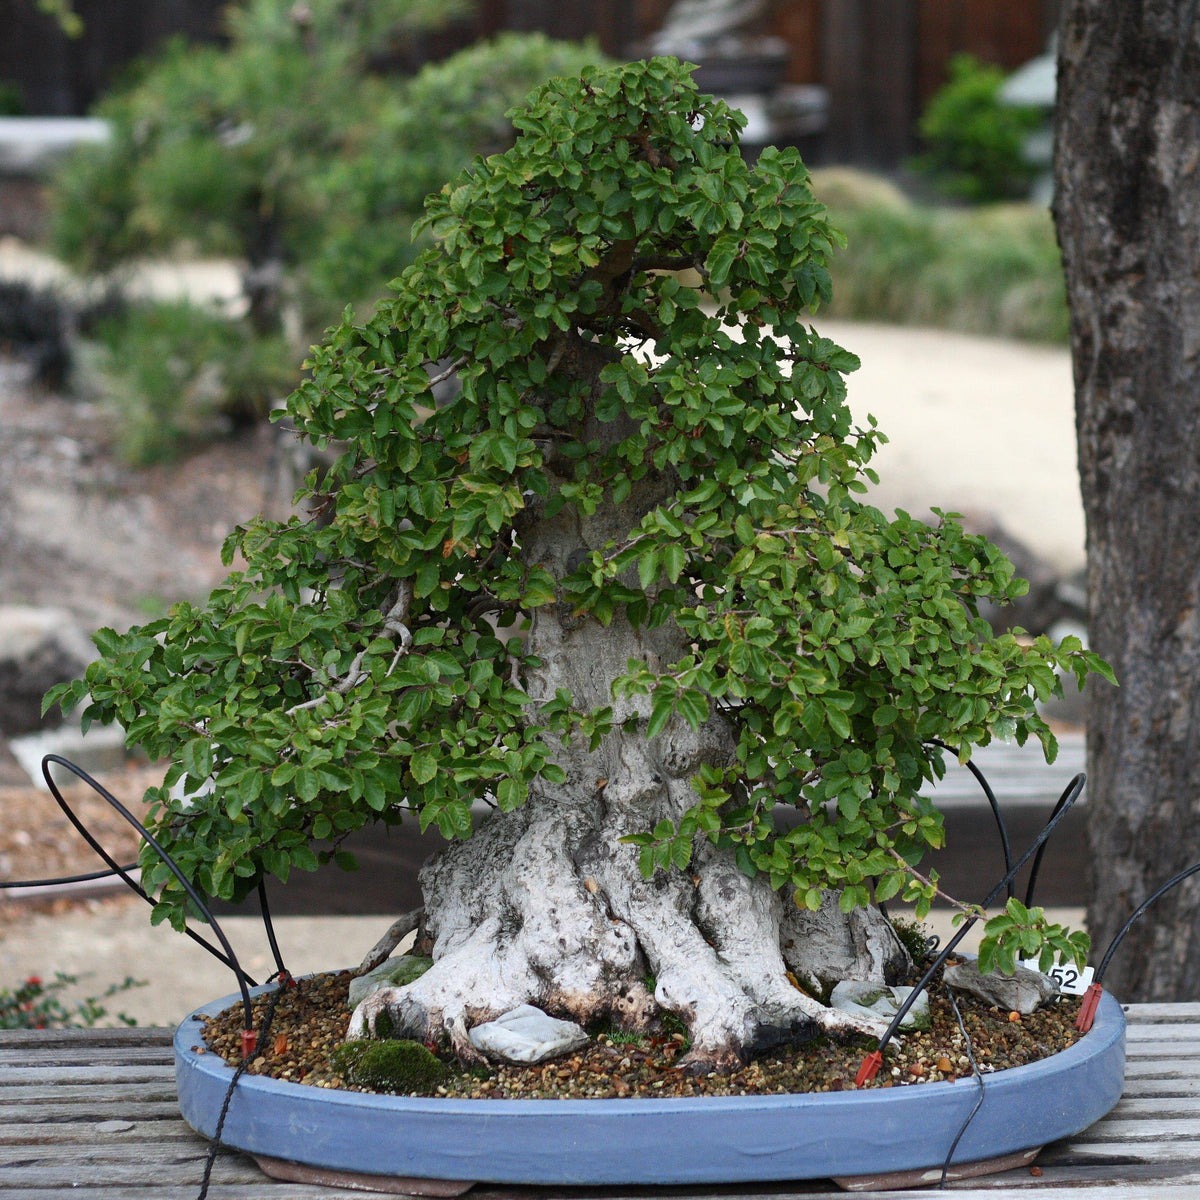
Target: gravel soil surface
[309,1022]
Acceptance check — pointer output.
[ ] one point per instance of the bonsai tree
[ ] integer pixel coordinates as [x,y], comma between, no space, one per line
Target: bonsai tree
[618,584]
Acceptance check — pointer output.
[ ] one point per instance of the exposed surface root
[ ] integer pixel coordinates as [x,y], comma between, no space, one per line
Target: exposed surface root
[545,906]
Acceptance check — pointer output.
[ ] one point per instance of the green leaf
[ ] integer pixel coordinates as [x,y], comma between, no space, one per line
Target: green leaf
[423,767]
[838,722]
[674,559]
[648,566]
[681,853]
[661,711]
[692,706]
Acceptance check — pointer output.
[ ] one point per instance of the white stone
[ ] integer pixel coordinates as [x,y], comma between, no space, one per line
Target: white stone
[865,998]
[525,1034]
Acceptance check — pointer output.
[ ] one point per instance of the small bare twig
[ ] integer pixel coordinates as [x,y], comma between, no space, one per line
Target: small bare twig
[399,929]
[393,623]
[969,910]
[442,376]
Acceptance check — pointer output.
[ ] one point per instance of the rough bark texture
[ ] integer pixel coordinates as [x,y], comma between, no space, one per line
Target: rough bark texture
[1128,214]
[545,905]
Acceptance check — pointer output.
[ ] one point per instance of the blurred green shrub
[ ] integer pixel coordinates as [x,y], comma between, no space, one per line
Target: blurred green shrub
[294,150]
[174,374]
[12,103]
[443,116]
[38,1004]
[992,270]
[975,143]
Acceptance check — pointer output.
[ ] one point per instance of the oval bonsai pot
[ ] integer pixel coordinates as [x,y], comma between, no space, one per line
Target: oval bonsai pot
[671,1141]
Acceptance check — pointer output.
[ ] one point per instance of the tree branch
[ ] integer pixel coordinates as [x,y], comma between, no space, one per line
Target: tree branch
[399,929]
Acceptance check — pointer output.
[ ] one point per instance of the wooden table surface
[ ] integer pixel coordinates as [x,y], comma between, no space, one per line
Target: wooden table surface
[92,1114]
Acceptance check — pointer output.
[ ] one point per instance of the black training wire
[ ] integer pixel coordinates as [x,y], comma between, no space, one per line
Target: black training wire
[1001,826]
[1037,858]
[1137,912]
[269,926]
[214,1144]
[229,958]
[61,880]
[978,1100]
[1070,796]
[124,872]
[82,829]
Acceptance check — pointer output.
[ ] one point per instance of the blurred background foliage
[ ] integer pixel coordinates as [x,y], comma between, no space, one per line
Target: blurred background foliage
[302,147]
[975,144]
[296,150]
[991,269]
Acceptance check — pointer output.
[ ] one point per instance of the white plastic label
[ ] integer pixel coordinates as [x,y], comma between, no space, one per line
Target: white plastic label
[1071,980]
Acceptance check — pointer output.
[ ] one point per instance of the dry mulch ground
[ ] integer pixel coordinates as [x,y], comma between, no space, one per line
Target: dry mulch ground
[310,1020]
[38,841]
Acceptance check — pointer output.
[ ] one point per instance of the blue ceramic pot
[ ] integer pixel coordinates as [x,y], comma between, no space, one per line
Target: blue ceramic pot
[671,1141]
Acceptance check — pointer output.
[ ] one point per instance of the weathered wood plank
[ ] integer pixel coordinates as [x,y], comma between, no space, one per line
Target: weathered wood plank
[119,1178]
[1153,1107]
[1162,1069]
[161,1128]
[1163,1050]
[987,1189]
[1183,1031]
[1094,1145]
[153,1189]
[1185,1084]
[1086,1175]
[121,1035]
[93,1161]
[50,1077]
[77,1097]
[1162,1013]
[1114,1128]
[99,1056]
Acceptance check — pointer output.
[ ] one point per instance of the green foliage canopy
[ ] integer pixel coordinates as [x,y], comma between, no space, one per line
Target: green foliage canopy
[348,672]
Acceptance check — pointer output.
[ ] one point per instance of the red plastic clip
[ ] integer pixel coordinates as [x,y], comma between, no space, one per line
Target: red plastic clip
[869,1069]
[287,980]
[1087,1010]
[249,1042]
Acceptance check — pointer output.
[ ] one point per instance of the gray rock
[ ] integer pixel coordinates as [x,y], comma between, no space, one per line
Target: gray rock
[395,972]
[1024,991]
[865,998]
[114,1126]
[39,647]
[527,1035]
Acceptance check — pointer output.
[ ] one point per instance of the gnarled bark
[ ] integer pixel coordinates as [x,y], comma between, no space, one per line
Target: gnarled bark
[546,906]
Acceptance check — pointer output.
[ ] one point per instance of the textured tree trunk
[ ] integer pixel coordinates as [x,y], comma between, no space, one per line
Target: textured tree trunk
[545,905]
[1128,215]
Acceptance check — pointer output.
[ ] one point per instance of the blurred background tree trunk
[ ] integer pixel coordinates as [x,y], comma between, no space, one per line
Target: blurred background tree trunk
[1127,206]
